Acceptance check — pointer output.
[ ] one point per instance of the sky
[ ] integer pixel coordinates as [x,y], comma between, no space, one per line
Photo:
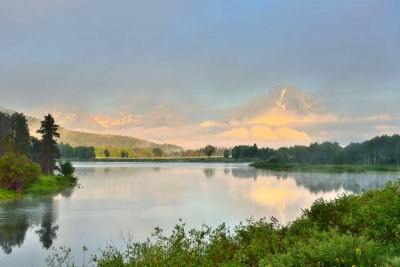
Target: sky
[202,57]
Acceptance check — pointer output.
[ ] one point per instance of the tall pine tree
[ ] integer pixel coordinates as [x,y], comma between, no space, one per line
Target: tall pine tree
[49,152]
[20,130]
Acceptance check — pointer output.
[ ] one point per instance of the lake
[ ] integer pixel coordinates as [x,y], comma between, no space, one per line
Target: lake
[116,199]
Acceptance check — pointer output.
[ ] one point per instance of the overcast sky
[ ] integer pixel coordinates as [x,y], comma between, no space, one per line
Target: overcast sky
[199,56]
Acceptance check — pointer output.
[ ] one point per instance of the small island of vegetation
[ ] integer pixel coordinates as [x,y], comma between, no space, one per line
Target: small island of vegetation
[27,164]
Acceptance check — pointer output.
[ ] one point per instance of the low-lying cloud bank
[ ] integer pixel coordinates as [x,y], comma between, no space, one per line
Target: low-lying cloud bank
[273,128]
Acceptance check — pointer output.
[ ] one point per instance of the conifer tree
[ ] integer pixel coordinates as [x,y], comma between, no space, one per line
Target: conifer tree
[49,152]
[20,130]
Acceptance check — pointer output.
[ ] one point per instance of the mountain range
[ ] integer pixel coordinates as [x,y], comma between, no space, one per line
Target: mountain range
[281,97]
[77,138]
[78,118]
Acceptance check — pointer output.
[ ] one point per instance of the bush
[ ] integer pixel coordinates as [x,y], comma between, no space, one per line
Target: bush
[67,169]
[17,172]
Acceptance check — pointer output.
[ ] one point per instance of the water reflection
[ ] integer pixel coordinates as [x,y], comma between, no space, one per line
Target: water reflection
[321,182]
[48,229]
[16,217]
[209,172]
[115,197]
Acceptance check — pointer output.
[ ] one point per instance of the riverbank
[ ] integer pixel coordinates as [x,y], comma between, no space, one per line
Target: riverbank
[325,168]
[45,185]
[351,230]
[166,160]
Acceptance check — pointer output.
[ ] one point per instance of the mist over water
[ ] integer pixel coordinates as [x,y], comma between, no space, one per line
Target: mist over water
[117,198]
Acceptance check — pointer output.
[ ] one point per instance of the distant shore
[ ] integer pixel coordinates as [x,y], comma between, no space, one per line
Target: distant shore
[325,168]
[165,159]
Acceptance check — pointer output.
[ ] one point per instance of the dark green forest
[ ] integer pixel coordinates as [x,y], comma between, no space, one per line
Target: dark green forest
[378,150]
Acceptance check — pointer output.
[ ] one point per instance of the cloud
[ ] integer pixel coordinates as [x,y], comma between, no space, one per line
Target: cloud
[238,133]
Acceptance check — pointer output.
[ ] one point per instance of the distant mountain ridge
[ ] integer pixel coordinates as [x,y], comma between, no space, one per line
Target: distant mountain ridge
[76,138]
[284,98]
[78,118]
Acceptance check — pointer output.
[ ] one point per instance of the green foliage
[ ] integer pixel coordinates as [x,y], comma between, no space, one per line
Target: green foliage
[209,150]
[67,169]
[226,153]
[17,172]
[381,150]
[20,131]
[325,168]
[6,194]
[106,153]
[51,184]
[157,152]
[49,152]
[80,152]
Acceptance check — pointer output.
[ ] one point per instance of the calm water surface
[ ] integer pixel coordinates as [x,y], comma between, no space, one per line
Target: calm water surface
[117,198]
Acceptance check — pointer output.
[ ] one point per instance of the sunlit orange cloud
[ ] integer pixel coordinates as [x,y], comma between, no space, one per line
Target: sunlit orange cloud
[278,117]
[207,124]
[266,133]
[239,133]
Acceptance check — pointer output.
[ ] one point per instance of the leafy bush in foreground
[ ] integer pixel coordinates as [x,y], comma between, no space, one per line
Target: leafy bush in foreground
[352,230]
[17,172]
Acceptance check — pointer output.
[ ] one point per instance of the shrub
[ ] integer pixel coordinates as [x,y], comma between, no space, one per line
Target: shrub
[67,169]
[17,172]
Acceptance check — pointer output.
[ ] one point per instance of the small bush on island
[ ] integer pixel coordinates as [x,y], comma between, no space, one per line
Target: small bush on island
[351,230]
[66,168]
[17,172]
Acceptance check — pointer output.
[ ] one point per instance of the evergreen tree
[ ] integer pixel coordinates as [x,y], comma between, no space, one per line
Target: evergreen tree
[49,152]
[106,153]
[20,130]
[209,150]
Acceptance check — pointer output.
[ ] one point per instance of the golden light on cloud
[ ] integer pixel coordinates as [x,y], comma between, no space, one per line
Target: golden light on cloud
[240,133]
[287,133]
[279,117]
[263,132]
[207,124]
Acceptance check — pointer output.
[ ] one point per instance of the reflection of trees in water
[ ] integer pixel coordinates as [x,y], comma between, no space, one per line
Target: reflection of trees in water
[245,172]
[227,171]
[321,182]
[209,172]
[19,215]
[47,231]
[355,183]
[13,227]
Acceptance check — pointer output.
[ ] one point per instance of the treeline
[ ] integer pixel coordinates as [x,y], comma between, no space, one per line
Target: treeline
[80,152]
[16,142]
[378,150]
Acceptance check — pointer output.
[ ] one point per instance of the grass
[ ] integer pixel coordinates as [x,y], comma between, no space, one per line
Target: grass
[351,230]
[45,185]
[325,168]
[6,194]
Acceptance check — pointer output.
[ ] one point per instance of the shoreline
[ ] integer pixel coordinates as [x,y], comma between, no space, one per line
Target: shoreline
[166,160]
[326,168]
[45,185]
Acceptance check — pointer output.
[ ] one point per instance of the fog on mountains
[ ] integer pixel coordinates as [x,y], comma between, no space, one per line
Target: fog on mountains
[284,116]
